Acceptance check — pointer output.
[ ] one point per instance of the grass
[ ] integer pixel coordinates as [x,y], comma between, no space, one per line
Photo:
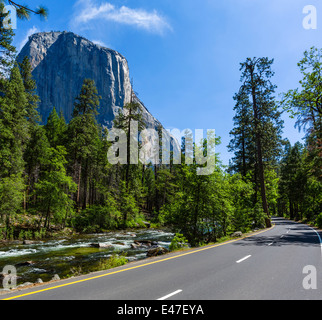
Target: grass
[113,261]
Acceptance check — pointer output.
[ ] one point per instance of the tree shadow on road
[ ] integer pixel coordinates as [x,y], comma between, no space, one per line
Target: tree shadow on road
[308,239]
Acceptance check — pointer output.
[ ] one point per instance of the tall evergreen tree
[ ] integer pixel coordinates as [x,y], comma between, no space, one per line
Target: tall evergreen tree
[257,136]
[83,137]
[54,188]
[125,119]
[13,137]
[30,87]
[55,128]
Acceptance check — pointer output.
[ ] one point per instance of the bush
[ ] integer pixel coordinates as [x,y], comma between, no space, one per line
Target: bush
[178,242]
[112,262]
[97,218]
[319,221]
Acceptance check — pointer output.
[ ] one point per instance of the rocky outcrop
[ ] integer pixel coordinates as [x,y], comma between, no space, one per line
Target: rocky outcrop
[62,60]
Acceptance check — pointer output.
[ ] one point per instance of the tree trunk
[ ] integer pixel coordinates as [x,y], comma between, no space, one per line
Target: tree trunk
[259,152]
[85,184]
[78,186]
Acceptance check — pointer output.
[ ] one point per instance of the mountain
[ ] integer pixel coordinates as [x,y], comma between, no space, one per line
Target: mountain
[62,60]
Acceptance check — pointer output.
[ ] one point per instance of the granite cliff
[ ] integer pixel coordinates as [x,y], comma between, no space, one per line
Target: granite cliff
[62,60]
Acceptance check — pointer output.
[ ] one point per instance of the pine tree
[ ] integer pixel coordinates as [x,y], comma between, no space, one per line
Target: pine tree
[36,157]
[242,143]
[258,130]
[83,138]
[125,119]
[13,137]
[54,188]
[33,116]
[55,128]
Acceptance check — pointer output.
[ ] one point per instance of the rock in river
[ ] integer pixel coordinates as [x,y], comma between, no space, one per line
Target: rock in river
[100,245]
[157,252]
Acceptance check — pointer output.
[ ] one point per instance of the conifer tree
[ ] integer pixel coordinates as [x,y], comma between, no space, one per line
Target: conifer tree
[125,119]
[13,137]
[55,128]
[83,137]
[257,135]
[33,116]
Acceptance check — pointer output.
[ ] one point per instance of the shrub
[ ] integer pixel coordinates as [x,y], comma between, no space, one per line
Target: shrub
[319,221]
[178,242]
[113,261]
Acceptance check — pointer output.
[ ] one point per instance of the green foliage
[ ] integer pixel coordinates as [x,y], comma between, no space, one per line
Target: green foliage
[178,242]
[113,261]
[11,197]
[257,140]
[53,189]
[98,218]
[319,220]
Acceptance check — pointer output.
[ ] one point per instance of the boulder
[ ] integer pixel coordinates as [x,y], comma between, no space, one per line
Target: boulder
[100,245]
[158,251]
[55,277]
[26,284]
[141,243]
[237,234]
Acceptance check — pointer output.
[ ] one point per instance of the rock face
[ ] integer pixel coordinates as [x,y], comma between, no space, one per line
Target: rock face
[62,60]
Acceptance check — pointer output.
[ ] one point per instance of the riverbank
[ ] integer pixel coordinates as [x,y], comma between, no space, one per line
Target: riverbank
[80,254]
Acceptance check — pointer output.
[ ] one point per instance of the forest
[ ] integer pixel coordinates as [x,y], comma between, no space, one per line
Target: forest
[56,177]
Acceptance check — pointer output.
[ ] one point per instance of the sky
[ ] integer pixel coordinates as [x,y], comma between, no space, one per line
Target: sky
[184,55]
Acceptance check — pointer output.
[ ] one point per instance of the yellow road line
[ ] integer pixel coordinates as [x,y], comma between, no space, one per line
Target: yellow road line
[140,266]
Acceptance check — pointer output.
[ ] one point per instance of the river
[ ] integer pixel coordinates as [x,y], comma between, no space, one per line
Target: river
[70,257]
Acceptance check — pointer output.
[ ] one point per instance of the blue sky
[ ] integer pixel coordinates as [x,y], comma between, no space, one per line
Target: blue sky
[184,55]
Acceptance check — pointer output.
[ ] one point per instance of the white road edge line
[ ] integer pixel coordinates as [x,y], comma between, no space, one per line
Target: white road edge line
[170,295]
[319,239]
[241,260]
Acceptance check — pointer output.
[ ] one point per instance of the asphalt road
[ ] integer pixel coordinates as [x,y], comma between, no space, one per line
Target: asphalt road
[282,263]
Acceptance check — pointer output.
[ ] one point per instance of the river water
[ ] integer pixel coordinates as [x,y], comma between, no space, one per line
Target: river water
[69,257]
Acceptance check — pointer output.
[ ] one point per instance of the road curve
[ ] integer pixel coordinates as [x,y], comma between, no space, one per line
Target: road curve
[282,263]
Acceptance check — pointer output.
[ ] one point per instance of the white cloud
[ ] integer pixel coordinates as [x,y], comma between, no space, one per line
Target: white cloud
[30,32]
[100,43]
[88,11]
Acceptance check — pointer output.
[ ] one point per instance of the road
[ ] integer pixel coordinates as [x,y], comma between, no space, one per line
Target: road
[270,265]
